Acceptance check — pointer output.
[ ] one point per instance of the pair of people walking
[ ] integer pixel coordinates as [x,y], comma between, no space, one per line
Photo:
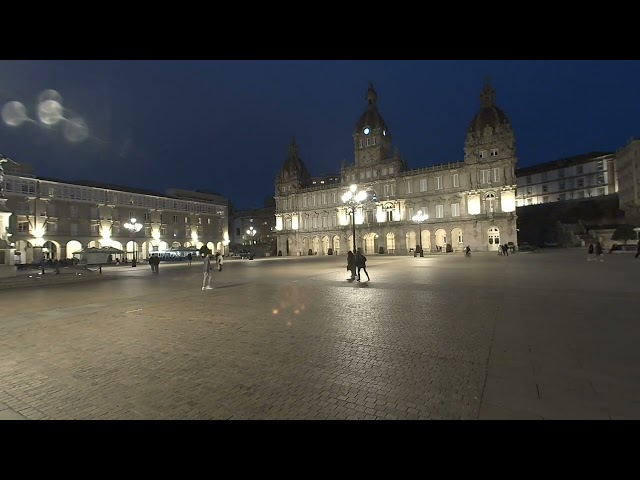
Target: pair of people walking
[211,261]
[359,262]
[597,249]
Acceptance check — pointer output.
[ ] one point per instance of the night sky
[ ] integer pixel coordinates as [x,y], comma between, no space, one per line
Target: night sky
[225,126]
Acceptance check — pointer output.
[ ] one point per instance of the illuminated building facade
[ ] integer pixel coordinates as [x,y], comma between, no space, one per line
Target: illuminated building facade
[470,202]
[52,219]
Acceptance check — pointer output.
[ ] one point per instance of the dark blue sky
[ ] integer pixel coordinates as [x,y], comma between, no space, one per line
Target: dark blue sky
[226,125]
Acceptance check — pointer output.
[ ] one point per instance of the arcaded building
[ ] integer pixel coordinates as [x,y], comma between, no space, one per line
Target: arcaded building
[469,202]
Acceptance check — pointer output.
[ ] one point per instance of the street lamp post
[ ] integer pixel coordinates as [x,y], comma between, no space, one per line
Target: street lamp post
[352,199]
[252,233]
[133,227]
[419,218]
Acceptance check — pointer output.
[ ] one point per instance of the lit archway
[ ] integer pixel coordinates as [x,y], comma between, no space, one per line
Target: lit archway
[336,245]
[175,245]
[25,249]
[325,245]
[305,245]
[457,240]
[131,248]
[350,243]
[426,240]
[391,243]
[316,245]
[94,244]
[490,202]
[441,238]
[494,239]
[199,245]
[370,243]
[186,244]
[72,247]
[410,239]
[211,247]
[51,250]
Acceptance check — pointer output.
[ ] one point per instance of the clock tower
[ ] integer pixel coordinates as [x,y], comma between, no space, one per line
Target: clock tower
[371,138]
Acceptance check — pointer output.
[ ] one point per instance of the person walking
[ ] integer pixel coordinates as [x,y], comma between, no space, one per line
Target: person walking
[189,257]
[219,261]
[590,252]
[154,261]
[351,264]
[598,250]
[361,263]
[206,270]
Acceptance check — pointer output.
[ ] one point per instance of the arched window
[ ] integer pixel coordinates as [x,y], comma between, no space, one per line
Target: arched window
[490,203]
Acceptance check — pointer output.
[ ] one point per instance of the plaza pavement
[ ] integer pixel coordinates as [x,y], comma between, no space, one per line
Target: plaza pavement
[528,336]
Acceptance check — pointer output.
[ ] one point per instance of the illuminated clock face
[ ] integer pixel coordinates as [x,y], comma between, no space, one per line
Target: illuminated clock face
[366,130]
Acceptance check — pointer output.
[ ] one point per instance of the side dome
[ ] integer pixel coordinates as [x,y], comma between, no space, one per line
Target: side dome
[371,117]
[489,115]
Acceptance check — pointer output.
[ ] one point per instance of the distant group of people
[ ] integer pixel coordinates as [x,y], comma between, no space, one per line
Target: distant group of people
[359,262]
[594,249]
[503,250]
[211,261]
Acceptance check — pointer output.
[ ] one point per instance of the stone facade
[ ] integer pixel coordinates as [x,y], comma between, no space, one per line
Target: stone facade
[628,169]
[469,203]
[52,219]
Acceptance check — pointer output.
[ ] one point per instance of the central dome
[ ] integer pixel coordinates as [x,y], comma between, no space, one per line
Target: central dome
[489,115]
[371,117]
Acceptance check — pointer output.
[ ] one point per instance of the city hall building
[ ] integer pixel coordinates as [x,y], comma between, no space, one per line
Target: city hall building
[468,203]
[53,219]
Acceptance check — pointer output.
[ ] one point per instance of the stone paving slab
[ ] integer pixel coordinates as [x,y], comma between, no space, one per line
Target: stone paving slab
[439,337]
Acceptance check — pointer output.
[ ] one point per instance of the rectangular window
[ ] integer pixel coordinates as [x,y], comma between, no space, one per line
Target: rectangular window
[494,152]
[600,165]
[175,219]
[390,170]
[315,222]
[439,211]
[528,179]
[393,189]
[545,199]
[600,178]
[486,176]
[423,184]
[334,197]
[73,211]
[361,175]
[496,174]
[580,182]
[545,188]
[562,185]
[52,227]
[386,190]
[409,186]
[368,173]
[600,190]
[146,216]
[367,141]
[375,174]
[384,171]
[455,209]
[460,236]
[304,202]
[324,198]
[389,215]
[324,221]
[209,221]
[561,173]
[483,154]
[579,169]
[23,227]
[95,229]
[438,183]
[410,213]
[454,180]
[529,190]
[528,201]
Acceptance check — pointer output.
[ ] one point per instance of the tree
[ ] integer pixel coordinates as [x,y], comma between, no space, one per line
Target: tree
[624,232]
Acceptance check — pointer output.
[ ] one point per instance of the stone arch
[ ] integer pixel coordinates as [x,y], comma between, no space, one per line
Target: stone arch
[290,246]
[316,244]
[199,245]
[175,245]
[54,250]
[441,238]
[325,245]
[410,239]
[426,240]
[493,235]
[94,244]
[25,249]
[391,242]
[132,247]
[336,245]
[305,245]
[72,247]
[370,241]
[219,247]
[457,239]
[490,202]
[187,244]
[211,247]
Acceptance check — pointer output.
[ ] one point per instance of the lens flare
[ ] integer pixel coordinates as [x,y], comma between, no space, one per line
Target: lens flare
[14,113]
[76,130]
[50,112]
[49,95]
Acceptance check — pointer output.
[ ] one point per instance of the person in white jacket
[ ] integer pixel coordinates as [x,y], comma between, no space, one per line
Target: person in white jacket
[207,268]
[219,261]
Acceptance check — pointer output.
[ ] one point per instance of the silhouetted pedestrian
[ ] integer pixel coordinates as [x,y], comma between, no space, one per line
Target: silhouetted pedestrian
[206,270]
[351,264]
[189,257]
[361,263]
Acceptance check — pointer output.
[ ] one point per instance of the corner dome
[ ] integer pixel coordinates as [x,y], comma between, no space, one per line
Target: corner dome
[489,115]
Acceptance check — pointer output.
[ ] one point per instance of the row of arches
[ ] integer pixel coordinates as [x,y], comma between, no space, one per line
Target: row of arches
[392,243]
[53,250]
